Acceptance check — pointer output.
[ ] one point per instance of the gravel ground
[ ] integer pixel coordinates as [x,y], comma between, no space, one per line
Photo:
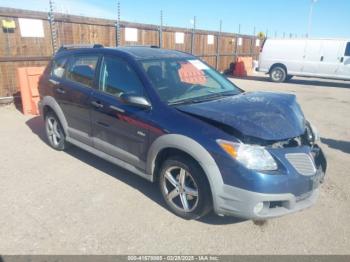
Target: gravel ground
[75,203]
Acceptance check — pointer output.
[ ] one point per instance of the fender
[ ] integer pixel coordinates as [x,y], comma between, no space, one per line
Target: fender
[52,103]
[195,150]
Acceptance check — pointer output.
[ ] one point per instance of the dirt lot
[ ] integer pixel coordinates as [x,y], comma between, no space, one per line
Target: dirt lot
[75,203]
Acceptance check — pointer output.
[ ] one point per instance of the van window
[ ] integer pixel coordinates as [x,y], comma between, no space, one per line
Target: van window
[82,69]
[59,67]
[117,77]
[347,49]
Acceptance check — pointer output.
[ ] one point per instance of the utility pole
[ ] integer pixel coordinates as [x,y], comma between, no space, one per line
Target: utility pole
[313,2]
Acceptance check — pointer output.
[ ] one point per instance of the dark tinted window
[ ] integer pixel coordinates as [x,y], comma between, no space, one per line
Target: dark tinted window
[82,69]
[347,50]
[117,77]
[58,68]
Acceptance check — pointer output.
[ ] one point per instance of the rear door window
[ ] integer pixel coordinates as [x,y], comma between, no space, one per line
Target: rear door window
[347,49]
[82,69]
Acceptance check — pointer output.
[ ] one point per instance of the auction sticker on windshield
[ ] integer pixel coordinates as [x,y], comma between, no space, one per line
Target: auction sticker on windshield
[199,64]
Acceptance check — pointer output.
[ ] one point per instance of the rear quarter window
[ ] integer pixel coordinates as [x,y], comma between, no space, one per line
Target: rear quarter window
[58,67]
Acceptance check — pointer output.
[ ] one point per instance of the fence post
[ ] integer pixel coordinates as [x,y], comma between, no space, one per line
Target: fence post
[161,30]
[117,26]
[193,34]
[252,46]
[52,27]
[218,46]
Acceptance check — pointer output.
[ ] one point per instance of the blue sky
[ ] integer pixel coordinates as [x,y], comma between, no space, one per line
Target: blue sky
[330,17]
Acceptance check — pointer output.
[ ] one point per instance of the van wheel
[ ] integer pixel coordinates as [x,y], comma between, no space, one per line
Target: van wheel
[54,132]
[185,188]
[278,74]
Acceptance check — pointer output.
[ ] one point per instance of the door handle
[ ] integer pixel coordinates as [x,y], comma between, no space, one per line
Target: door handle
[96,104]
[321,58]
[54,82]
[117,109]
[341,59]
[60,90]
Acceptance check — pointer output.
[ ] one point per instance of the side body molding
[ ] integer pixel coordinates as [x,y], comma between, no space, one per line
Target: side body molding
[52,103]
[194,149]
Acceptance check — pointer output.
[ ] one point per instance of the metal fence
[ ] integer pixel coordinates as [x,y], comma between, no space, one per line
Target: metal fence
[217,48]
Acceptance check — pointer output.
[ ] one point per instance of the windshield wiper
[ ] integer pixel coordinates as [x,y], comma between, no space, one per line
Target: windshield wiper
[203,98]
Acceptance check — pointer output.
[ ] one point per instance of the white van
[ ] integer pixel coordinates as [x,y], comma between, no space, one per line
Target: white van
[325,58]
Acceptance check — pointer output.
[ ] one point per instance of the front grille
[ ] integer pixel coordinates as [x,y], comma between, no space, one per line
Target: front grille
[302,163]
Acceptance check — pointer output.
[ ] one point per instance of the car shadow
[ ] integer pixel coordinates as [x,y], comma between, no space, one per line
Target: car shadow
[337,144]
[150,190]
[301,81]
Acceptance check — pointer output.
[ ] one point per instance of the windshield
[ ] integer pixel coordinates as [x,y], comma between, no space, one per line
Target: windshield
[186,80]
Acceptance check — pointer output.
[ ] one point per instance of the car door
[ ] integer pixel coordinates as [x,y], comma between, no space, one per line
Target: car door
[72,96]
[118,129]
[329,59]
[73,91]
[312,57]
[344,59]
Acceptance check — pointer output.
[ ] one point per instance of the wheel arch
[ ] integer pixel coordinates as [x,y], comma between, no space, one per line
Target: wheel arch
[49,103]
[180,144]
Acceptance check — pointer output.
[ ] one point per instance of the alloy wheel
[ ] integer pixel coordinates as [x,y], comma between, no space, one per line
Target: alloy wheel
[54,131]
[180,189]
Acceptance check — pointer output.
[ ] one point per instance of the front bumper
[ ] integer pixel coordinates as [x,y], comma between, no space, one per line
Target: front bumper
[238,202]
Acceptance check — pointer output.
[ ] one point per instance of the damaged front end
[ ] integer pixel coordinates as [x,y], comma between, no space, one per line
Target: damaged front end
[260,121]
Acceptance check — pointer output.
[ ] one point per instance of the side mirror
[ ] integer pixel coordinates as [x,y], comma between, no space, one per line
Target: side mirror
[137,101]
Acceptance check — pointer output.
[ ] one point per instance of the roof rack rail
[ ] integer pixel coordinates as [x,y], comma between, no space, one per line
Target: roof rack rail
[69,47]
[150,46]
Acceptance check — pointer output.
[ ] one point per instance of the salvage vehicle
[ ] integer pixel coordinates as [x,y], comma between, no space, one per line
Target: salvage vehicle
[311,57]
[170,118]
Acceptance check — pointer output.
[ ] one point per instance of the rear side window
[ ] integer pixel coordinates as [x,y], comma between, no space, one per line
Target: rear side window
[58,68]
[117,77]
[82,69]
[347,49]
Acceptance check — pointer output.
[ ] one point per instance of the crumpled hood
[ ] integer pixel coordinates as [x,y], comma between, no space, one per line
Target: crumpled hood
[263,115]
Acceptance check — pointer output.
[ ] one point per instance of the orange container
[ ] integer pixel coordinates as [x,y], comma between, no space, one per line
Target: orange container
[244,66]
[28,79]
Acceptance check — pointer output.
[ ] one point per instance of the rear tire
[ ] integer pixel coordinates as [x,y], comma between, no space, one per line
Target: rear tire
[185,188]
[278,74]
[54,132]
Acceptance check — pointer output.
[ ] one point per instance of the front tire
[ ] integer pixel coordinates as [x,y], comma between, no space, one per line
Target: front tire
[185,188]
[278,74]
[54,132]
